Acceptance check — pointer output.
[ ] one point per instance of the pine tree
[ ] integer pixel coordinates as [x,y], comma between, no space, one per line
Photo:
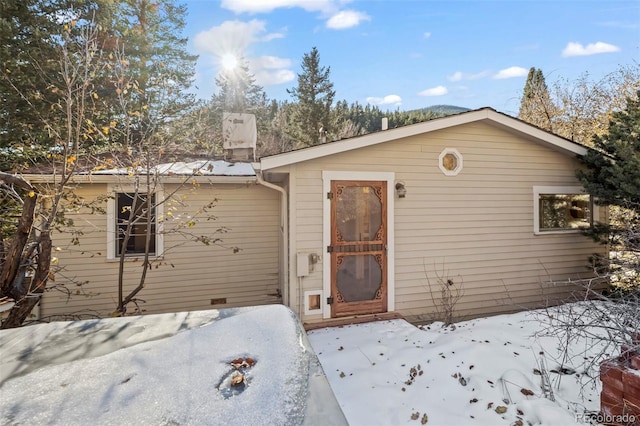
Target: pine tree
[612,176]
[616,182]
[143,67]
[239,91]
[314,97]
[536,106]
[27,34]
[156,70]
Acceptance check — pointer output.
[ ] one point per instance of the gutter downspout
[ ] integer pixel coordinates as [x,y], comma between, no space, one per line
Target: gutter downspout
[284,217]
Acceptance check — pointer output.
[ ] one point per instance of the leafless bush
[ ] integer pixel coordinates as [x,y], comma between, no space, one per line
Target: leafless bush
[449,291]
[593,328]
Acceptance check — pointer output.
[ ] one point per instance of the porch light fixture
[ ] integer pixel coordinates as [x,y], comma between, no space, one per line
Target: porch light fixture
[401,190]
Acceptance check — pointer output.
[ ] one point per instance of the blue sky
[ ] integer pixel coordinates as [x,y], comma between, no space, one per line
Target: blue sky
[412,54]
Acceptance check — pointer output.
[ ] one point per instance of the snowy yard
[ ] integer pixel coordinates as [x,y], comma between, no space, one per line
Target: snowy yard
[480,372]
[174,369]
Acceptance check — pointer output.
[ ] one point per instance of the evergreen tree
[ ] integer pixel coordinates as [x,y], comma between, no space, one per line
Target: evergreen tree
[276,139]
[151,63]
[27,34]
[612,175]
[616,182]
[142,66]
[239,91]
[314,97]
[536,106]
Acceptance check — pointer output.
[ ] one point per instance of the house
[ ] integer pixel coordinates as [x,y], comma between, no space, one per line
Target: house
[221,202]
[478,201]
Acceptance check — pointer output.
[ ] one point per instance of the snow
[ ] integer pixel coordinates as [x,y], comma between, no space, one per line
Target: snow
[393,373]
[176,369]
[200,168]
[164,369]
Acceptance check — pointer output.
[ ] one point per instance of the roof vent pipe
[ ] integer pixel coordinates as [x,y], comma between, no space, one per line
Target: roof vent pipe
[385,123]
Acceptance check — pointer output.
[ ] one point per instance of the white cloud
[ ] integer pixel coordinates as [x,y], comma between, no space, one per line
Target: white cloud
[434,91]
[427,35]
[271,70]
[510,72]
[456,76]
[265,6]
[347,19]
[387,100]
[270,62]
[459,76]
[271,36]
[577,49]
[337,19]
[268,77]
[232,37]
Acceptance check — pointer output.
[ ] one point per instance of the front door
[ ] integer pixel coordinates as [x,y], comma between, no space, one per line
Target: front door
[358,247]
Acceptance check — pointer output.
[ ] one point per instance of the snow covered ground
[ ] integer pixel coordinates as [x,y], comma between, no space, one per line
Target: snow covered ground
[246,366]
[178,369]
[480,372]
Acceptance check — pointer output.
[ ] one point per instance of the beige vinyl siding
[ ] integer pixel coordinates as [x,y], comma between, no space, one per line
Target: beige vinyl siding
[475,228]
[190,273]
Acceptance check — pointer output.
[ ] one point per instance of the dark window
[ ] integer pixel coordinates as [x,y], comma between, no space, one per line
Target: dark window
[143,217]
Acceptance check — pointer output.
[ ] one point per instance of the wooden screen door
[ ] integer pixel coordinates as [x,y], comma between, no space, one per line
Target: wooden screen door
[358,247]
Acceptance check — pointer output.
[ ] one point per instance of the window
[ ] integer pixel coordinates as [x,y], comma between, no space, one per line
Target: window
[561,209]
[142,217]
[124,207]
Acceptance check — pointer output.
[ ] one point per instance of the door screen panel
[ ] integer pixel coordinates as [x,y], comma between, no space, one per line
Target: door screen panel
[359,277]
[358,213]
[358,247]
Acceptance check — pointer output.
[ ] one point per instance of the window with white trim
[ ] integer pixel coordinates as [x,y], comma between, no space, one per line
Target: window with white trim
[129,217]
[561,209]
[136,219]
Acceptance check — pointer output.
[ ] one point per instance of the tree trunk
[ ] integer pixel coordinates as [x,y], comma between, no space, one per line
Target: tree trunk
[26,303]
[14,251]
[20,312]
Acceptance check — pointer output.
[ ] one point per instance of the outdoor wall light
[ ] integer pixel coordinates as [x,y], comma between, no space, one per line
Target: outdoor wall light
[401,190]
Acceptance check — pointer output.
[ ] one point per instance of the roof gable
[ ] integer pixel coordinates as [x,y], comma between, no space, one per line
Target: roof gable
[487,115]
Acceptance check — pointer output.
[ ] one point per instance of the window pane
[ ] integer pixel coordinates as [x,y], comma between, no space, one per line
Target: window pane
[143,216]
[565,211]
